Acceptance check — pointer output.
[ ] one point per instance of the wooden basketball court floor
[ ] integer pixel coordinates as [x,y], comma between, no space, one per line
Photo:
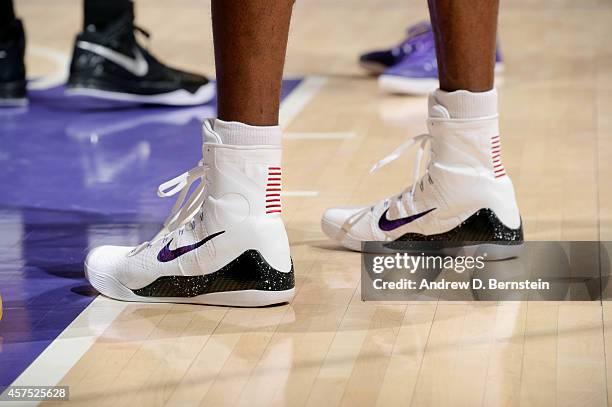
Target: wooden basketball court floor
[328,347]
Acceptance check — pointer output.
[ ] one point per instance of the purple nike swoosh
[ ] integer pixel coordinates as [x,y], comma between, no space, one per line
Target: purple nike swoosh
[166,254]
[388,225]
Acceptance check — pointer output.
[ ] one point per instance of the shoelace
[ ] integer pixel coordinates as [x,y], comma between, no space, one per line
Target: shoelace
[141,30]
[424,141]
[185,207]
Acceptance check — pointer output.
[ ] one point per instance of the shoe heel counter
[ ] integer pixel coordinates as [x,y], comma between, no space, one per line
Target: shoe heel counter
[254,174]
[270,238]
[503,202]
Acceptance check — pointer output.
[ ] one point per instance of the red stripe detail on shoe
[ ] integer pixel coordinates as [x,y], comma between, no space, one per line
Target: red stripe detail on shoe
[273,185]
[498,168]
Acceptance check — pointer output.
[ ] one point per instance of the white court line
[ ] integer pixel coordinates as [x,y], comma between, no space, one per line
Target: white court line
[64,352]
[299,98]
[320,136]
[60,59]
[300,193]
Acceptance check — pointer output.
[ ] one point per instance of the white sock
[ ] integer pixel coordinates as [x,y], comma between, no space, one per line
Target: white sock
[462,104]
[237,133]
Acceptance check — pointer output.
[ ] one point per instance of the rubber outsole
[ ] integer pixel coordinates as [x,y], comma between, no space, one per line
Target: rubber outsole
[13,94]
[14,102]
[373,68]
[109,286]
[179,97]
[494,251]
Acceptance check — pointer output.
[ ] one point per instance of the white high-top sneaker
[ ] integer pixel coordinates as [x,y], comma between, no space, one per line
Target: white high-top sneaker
[225,244]
[464,198]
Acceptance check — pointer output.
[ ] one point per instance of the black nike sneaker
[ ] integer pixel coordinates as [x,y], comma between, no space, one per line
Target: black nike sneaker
[110,64]
[12,67]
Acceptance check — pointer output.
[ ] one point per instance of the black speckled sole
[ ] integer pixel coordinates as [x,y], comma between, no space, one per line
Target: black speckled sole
[482,231]
[482,226]
[249,271]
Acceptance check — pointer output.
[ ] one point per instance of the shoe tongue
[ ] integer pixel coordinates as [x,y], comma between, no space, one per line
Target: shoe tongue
[436,109]
[208,133]
[439,111]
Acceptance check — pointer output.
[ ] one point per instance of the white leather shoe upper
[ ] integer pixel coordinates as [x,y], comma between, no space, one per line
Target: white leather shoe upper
[464,174]
[239,209]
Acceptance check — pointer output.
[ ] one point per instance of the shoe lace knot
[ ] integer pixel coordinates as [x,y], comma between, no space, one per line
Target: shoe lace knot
[186,206]
[424,143]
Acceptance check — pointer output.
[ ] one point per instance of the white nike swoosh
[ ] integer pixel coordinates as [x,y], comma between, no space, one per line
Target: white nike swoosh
[138,65]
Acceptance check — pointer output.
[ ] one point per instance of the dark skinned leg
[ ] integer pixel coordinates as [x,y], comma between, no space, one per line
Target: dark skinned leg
[465,33]
[250,39]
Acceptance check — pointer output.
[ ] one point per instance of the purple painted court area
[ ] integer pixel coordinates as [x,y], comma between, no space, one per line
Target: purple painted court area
[78,174]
